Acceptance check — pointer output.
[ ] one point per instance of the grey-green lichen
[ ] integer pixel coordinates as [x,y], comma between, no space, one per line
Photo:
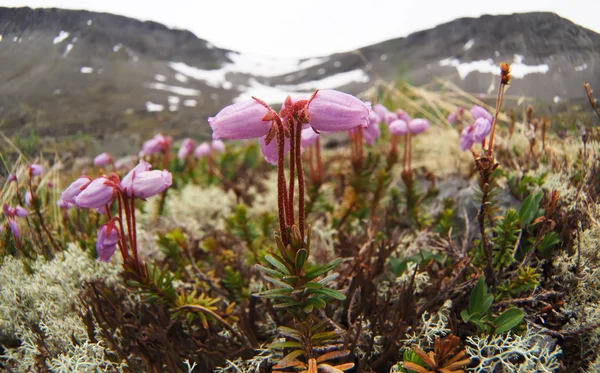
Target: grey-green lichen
[41,312]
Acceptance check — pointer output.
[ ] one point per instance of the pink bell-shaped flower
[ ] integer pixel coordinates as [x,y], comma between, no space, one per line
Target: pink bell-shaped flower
[479,112]
[308,137]
[218,146]
[150,183]
[202,150]
[14,228]
[481,129]
[103,159]
[35,169]
[332,110]
[74,189]
[418,125]
[398,127]
[106,241]
[186,149]
[466,138]
[270,150]
[243,120]
[98,193]
[127,180]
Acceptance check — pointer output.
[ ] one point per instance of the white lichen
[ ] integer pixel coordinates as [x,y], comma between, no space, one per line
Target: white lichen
[529,352]
[41,311]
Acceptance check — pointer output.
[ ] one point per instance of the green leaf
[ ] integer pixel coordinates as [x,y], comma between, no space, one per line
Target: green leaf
[318,303]
[323,336]
[313,285]
[290,333]
[508,320]
[479,300]
[275,293]
[530,208]
[301,257]
[464,314]
[320,270]
[282,345]
[329,278]
[277,264]
[289,360]
[328,292]
[269,271]
[278,282]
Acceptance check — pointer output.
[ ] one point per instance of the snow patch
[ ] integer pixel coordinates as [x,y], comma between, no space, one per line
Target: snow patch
[160,78]
[577,68]
[265,93]
[321,71]
[15,39]
[333,81]
[0,37]
[337,64]
[383,57]
[62,35]
[190,103]
[556,99]
[57,91]
[152,107]
[182,78]
[245,64]
[497,54]
[117,47]
[174,89]
[68,49]
[209,46]
[89,22]
[518,58]
[86,70]
[518,70]
[173,100]
[468,45]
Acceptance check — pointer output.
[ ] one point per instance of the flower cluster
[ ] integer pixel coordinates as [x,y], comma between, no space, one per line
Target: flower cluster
[479,130]
[141,182]
[11,213]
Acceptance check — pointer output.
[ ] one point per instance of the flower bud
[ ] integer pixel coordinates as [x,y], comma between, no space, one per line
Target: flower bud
[332,110]
[103,159]
[481,129]
[202,150]
[243,120]
[381,110]
[12,177]
[63,205]
[106,243]
[157,144]
[149,183]
[74,189]
[98,193]
[398,127]
[418,125]
[143,166]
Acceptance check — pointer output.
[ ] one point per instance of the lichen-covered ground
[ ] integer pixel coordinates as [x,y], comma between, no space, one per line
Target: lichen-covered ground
[418,291]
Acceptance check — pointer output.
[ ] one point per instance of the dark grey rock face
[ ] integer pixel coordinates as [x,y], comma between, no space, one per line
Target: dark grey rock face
[68,72]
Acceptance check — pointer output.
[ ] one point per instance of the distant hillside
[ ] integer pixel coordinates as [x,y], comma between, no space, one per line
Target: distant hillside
[118,79]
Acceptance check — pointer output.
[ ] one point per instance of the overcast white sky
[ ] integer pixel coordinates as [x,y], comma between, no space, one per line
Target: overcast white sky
[307,28]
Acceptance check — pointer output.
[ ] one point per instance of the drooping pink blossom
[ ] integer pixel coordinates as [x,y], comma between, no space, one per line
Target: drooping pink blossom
[466,138]
[102,160]
[106,241]
[398,127]
[332,110]
[74,189]
[202,150]
[98,193]
[481,129]
[186,149]
[35,169]
[418,125]
[150,183]
[243,120]
[479,112]
[127,180]
[218,146]
[270,150]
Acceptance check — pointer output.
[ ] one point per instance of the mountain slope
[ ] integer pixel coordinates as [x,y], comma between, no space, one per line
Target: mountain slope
[118,79]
